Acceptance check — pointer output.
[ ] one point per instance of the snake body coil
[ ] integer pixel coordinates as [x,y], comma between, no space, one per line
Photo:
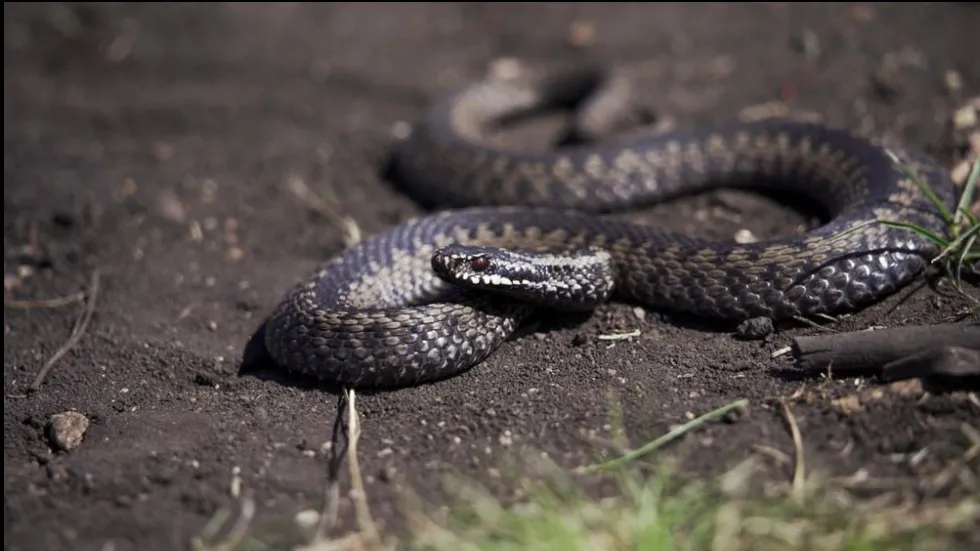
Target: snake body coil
[379,315]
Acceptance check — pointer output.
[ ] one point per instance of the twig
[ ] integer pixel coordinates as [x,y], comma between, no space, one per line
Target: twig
[331,492]
[776,454]
[346,224]
[81,325]
[942,479]
[866,350]
[45,303]
[361,510]
[619,336]
[941,361]
[217,535]
[799,464]
[815,325]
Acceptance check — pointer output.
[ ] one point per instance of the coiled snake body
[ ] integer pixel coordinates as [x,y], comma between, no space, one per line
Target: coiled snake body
[383,313]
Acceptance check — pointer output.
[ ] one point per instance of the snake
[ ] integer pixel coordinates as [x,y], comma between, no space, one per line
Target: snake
[517,231]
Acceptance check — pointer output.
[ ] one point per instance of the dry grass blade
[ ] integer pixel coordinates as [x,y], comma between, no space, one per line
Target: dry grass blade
[346,224]
[799,464]
[55,302]
[663,440]
[364,521]
[81,325]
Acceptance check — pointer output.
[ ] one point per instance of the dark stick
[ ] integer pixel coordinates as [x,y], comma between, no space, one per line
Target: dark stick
[871,350]
[944,361]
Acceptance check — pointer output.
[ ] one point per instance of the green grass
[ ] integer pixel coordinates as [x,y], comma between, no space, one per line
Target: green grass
[662,512]
[667,512]
[959,245]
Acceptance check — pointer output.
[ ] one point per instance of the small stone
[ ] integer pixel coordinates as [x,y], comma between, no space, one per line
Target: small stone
[755,328]
[11,282]
[388,474]
[960,172]
[745,236]
[66,430]
[307,521]
[171,207]
[57,473]
[734,416]
[582,33]
[162,151]
[965,117]
[807,43]
[848,405]
[401,130]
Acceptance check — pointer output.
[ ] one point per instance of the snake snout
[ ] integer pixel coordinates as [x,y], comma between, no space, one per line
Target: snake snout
[482,267]
[561,281]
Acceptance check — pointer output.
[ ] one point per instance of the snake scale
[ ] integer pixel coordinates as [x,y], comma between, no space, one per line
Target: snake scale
[406,306]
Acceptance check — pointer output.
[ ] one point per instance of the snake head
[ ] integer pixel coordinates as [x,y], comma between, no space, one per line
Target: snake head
[577,280]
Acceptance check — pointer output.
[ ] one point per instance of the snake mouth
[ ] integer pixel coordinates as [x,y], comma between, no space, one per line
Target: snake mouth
[485,268]
[573,280]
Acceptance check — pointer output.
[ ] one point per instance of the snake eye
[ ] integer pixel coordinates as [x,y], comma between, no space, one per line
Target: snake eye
[479,263]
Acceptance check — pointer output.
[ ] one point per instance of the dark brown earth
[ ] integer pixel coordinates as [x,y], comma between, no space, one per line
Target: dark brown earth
[158,145]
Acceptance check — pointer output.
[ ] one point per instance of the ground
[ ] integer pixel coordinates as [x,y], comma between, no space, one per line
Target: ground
[160,147]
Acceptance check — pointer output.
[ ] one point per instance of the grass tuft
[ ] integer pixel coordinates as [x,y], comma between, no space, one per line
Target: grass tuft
[959,246]
[661,513]
[666,512]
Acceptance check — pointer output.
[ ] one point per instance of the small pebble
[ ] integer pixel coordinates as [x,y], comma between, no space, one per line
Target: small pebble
[162,151]
[745,236]
[965,117]
[582,33]
[755,328]
[66,430]
[953,81]
[307,521]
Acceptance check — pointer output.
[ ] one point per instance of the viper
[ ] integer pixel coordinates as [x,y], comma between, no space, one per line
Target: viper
[525,230]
